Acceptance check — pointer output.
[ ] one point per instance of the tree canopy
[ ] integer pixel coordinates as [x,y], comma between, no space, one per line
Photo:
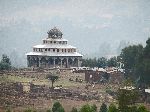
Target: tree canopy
[136,60]
[52,78]
[5,63]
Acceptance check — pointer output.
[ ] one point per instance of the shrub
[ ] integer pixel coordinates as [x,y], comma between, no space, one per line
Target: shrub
[57,107]
[103,108]
[85,108]
[112,108]
[74,109]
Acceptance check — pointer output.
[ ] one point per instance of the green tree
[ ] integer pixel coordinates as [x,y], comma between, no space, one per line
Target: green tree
[5,63]
[126,97]
[28,110]
[49,110]
[142,68]
[142,109]
[52,78]
[130,54]
[57,107]
[74,109]
[103,108]
[85,108]
[94,108]
[112,108]
[112,62]
[8,110]
[101,62]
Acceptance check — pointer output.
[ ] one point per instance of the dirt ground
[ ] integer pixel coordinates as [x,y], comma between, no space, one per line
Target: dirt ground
[42,104]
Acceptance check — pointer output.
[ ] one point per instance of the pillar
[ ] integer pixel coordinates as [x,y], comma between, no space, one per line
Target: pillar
[39,61]
[79,62]
[54,63]
[67,63]
[61,63]
[46,62]
[28,61]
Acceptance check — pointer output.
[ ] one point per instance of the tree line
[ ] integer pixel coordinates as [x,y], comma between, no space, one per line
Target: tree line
[100,62]
[57,107]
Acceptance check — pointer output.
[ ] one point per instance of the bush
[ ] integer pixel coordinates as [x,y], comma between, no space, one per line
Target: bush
[112,108]
[94,108]
[142,109]
[103,108]
[49,110]
[57,107]
[85,108]
[28,110]
[74,109]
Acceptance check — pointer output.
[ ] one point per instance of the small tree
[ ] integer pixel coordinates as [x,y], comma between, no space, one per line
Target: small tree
[74,109]
[112,108]
[28,110]
[142,109]
[52,78]
[5,63]
[57,107]
[94,108]
[103,108]
[85,108]
[49,110]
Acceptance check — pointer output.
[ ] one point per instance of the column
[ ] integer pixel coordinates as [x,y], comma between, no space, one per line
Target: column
[61,63]
[28,62]
[79,62]
[46,62]
[67,63]
[39,62]
[54,62]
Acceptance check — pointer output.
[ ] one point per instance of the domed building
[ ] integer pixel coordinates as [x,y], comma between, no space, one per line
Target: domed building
[54,52]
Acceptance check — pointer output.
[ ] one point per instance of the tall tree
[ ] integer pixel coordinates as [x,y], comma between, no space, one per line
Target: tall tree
[130,54]
[142,68]
[129,57]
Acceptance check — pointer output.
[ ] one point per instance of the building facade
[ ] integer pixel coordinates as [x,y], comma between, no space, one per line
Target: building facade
[54,52]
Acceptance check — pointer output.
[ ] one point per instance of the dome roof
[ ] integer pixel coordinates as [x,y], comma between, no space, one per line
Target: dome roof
[54,33]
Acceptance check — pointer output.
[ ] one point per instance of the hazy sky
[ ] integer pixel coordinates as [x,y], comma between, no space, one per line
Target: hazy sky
[90,25]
